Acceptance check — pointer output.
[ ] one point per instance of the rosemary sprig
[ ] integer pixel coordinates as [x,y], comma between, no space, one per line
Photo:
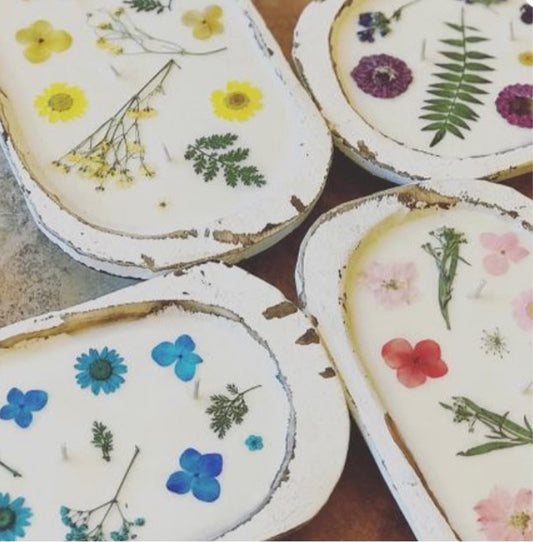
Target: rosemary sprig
[14,472]
[504,433]
[447,257]
[226,410]
[103,439]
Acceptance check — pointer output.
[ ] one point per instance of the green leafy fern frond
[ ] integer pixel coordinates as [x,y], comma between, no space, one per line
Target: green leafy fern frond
[149,5]
[450,109]
[216,154]
[103,439]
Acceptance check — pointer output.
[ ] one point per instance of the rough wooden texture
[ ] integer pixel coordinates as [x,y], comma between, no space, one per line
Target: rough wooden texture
[361,507]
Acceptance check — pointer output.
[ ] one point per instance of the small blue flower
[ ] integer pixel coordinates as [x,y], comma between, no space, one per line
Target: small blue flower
[21,405]
[199,474]
[254,443]
[366,35]
[366,19]
[100,370]
[14,517]
[182,353]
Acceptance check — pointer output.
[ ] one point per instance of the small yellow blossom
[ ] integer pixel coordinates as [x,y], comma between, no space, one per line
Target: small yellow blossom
[144,113]
[61,102]
[42,41]
[526,58]
[118,12]
[147,170]
[238,102]
[102,43]
[204,23]
[105,26]
[135,147]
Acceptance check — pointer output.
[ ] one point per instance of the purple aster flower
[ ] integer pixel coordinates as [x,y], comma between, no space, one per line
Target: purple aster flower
[526,13]
[366,19]
[514,105]
[366,35]
[382,76]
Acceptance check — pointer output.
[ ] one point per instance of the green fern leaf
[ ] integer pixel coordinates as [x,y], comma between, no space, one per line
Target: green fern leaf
[455,43]
[475,39]
[458,122]
[477,56]
[468,98]
[473,90]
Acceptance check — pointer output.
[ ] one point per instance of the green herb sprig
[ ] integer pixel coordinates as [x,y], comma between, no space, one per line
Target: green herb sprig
[149,5]
[504,433]
[103,439]
[226,410]
[447,257]
[209,160]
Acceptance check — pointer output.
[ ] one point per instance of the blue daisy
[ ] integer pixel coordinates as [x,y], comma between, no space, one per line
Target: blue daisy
[254,443]
[199,475]
[14,517]
[20,406]
[100,370]
[180,352]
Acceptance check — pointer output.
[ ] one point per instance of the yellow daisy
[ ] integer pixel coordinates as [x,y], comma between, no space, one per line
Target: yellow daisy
[204,23]
[42,41]
[61,102]
[526,58]
[239,101]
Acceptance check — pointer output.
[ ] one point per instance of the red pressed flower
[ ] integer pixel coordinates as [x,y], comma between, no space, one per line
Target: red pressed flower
[414,365]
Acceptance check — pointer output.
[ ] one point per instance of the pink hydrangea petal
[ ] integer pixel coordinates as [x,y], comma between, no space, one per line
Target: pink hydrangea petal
[517,253]
[497,507]
[411,376]
[397,353]
[495,264]
[490,241]
[521,310]
[523,501]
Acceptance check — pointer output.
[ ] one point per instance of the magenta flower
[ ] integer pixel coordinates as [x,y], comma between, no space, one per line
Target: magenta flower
[382,76]
[506,517]
[392,284]
[514,105]
[505,249]
[523,310]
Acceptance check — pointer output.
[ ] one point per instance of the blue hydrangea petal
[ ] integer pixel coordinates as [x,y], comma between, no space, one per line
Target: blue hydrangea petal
[184,370]
[192,358]
[165,354]
[189,460]
[8,412]
[4,499]
[35,399]
[15,396]
[180,482]
[205,488]
[24,418]
[209,465]
[185,343]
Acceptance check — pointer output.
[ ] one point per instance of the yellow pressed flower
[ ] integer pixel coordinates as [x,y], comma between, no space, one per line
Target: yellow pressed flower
[147,170]
[118,12]
[204,23]
[61,102]
[145,113]
[42,41]
[526,58]
[60,166]
[102,43]
[115,50]
[239,101]
[135,147]
[105,26]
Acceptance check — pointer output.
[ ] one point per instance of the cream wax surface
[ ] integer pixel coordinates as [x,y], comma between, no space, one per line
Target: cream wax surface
[152,409]
[392,287]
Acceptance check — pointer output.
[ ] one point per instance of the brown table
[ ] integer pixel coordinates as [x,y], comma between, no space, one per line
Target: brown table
[361,507]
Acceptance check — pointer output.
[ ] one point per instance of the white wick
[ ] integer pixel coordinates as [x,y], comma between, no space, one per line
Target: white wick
[479,289]
[64,452]
[114,70]
[197,388]
[511,27]
[167,153]
[423,50]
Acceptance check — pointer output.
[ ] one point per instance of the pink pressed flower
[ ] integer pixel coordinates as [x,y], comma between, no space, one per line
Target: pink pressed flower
[514,105]
[505,249]
[523,310]
[414,365]
[504,517]
[392,284]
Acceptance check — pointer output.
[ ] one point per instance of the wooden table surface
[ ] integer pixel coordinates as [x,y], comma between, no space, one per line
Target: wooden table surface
[361,506]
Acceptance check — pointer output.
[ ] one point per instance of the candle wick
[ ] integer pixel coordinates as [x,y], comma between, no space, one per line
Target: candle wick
[511,27]
[114,70]
[167,153]
[64,452]
[197,388]
[423,50]
[477,292]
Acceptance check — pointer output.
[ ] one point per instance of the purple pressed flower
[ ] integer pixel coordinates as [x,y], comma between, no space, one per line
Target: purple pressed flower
[514,105]
[526,13]
[382,76]
[366,35]
[366,19]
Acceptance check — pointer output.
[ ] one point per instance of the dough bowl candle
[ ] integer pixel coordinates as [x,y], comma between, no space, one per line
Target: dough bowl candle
[424,298]
[180,408]
[423,89]
[149,134]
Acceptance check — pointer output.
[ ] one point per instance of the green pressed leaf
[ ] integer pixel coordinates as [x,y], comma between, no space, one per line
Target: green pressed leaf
[475,39]
[453,56]
[456,43]
[478,67]
[471,78]
[436,101]
[439,108]
[455,27]
[489,447]
[477,56]
[443,93]
[458,68]
[473,90]
[444,86]
[438,137]
[472,28]
[468,98]
[449,77]
[458,122]
[434,116]
[454,130]
[465,112]
[434,126]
